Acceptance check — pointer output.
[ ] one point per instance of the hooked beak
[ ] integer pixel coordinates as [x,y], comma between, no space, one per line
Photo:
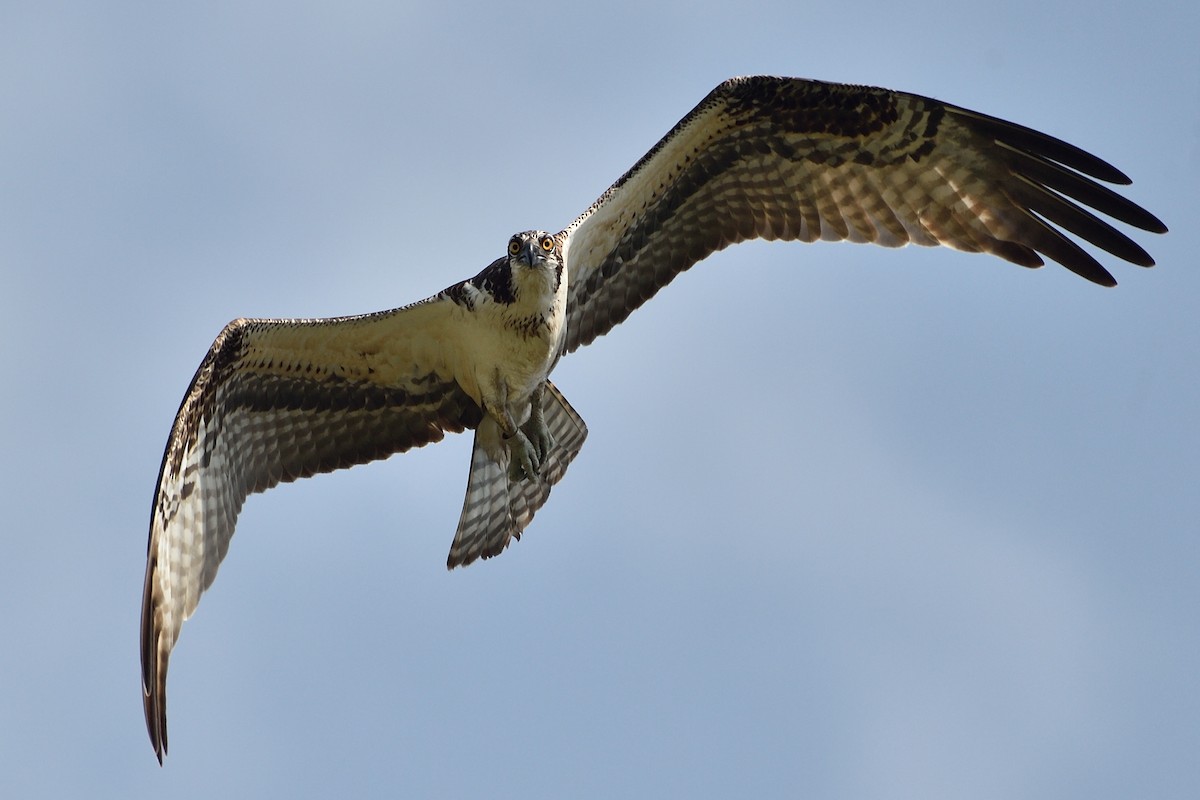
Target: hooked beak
[530,254]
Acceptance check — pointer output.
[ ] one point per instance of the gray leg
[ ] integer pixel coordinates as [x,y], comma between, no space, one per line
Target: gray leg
[535,428]
[523,459]
[527,445]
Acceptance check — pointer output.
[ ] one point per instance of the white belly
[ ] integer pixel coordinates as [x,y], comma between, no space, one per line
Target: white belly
[503,366]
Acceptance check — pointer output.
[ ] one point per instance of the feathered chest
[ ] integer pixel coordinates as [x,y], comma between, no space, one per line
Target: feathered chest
[512,321]
[530,327]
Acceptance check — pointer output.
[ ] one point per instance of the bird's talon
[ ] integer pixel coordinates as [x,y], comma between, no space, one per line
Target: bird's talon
[524,461]
[539,438]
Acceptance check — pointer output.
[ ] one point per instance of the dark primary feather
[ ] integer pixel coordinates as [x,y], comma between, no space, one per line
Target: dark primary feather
[786,158]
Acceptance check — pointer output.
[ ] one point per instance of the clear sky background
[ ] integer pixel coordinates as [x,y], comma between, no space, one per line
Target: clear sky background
[850,522]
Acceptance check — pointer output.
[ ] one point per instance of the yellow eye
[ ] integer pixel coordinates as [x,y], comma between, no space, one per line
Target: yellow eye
[547,243]
[514,246]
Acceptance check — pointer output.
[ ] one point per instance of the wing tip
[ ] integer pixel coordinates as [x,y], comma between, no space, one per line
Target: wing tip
[154,703]
[1154,224]
[156,723]
[154,665]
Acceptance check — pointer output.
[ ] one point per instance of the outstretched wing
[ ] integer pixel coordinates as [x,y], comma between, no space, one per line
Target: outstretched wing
[277,400]
[786,158]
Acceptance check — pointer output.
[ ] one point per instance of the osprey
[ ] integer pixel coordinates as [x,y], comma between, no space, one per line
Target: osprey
[774,158]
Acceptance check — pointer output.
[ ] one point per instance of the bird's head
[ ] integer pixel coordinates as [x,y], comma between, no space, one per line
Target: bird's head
[533,249]
[538,255]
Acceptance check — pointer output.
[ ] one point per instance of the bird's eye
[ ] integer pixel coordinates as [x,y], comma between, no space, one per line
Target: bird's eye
[547,243]
[514,246]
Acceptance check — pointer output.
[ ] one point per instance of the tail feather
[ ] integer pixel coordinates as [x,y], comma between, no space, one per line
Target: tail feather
[496,510]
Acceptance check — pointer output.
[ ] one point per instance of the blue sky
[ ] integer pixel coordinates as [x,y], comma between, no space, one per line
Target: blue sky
[849,523]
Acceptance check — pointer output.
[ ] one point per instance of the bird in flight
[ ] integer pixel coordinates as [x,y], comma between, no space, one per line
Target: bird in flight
[760,157]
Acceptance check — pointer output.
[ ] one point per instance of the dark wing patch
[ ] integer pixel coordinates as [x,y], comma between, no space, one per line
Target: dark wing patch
[279,400]
[792,159]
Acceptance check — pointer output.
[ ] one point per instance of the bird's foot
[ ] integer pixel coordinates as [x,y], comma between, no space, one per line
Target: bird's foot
[539,438]
[524,461]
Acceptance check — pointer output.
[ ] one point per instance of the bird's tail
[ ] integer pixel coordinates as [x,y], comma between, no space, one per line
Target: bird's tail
[496,510]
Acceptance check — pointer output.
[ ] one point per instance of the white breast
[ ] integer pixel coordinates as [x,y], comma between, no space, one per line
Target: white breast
[504,355]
